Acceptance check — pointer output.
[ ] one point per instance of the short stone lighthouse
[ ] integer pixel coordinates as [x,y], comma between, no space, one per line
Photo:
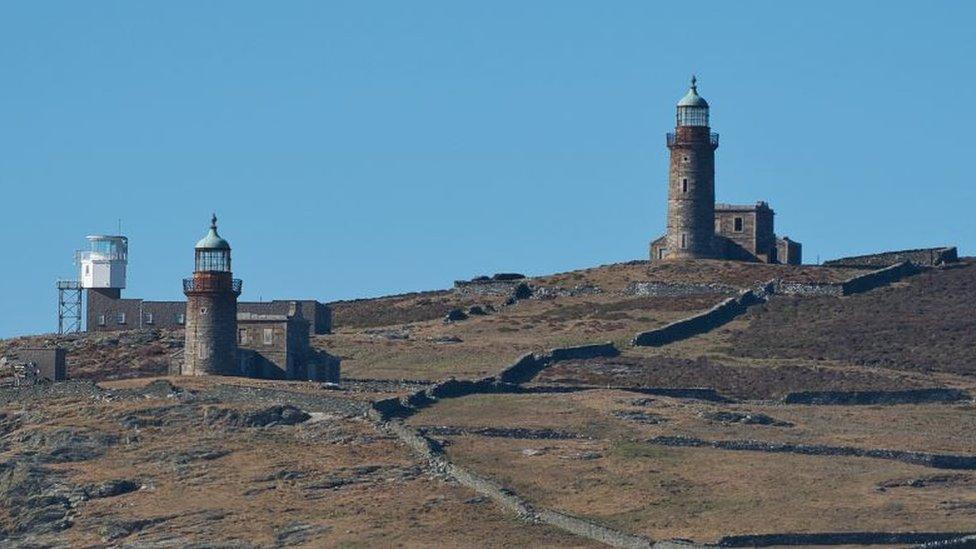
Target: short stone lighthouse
[211,309]
[691,180]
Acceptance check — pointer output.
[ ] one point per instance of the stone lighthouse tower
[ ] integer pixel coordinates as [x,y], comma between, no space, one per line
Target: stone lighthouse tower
[211,309]
[691,181]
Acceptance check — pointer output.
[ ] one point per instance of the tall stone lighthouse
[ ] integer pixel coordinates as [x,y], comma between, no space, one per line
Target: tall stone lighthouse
[211,309]
[691,181]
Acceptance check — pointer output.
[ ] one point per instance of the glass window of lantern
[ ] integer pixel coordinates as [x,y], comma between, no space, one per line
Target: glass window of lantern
[213,260]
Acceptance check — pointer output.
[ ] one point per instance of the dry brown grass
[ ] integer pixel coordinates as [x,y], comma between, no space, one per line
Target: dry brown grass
[489,343]
[360,487]
[702,493]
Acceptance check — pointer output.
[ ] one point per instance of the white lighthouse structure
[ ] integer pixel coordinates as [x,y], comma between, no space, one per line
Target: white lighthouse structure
[103,264]
[101,271]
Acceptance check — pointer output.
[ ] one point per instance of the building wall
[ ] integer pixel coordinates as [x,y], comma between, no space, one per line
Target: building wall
[725,226]
[789,252]
[274,348]
[765,236]
[318,314]
[138,313]
[691,194]
[50,361]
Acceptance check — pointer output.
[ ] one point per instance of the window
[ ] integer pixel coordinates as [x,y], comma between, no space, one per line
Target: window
[718,226]
[101,320]
[684,159]
[242,336]
[737,224]
[149,318]
[203,310]
[269,336]
[181,319]
[684,185]
[683,242]
[120,318]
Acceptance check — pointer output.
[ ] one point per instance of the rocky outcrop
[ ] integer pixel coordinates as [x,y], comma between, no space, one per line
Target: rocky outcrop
[272,415]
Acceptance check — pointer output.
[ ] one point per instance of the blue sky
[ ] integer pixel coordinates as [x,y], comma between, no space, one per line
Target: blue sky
[358,148]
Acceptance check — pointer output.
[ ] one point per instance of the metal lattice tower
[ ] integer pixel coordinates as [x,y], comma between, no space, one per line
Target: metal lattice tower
[69,306]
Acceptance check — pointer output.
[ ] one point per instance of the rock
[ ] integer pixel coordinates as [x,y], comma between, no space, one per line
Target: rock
[744,418]
[646,418]
[445,339]
[161,388]
[117,529]
[272,415]
[476,310]
[455,315]
[36,496]
[111,488]
[583,456]
[522,291]
[68,444]
[299,533]
[392,334]
[533,452]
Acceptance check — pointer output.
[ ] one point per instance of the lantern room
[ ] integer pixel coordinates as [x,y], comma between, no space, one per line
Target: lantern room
[692,108]
[212,251]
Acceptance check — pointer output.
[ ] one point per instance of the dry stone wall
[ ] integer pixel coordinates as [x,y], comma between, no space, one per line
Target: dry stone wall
[863,398]
[929,539]
[704,322]
[667,289]
[936,461]
[922,256]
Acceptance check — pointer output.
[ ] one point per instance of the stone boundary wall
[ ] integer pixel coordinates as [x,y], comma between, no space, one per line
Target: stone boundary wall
[921,256]
[881,277]
[963,542]
[863,398]
[507,381]
[935,461]
[583,352]
[936,539]
[486,287]
[704,322]
[735,306]
[509,500]
[524,369]
[853,285]
[667,289]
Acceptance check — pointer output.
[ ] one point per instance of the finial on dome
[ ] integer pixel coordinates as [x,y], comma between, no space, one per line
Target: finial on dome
[213,221]
[694,83]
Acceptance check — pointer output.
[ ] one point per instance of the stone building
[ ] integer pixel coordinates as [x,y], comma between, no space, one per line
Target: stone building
[211,309]
[38,364]
[697,227]
[276,346]
[108,311]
